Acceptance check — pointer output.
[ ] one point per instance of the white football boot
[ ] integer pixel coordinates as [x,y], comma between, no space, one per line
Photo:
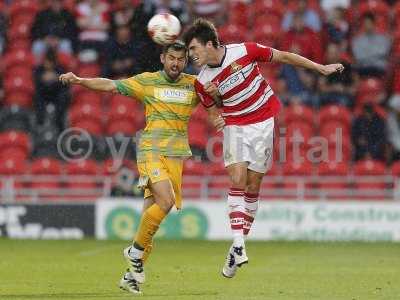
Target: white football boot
[127,283]
[135,265]
[229,268]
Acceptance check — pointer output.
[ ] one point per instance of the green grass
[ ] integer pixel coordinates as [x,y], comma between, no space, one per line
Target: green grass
[191,270]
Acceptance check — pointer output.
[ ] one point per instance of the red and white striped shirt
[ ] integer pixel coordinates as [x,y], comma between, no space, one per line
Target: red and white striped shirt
[246,96]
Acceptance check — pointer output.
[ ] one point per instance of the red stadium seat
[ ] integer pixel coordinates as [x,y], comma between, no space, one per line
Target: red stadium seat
[370,185]
[396,169]
[12,166]
[89,70]
[334,113]
[299,113]
[239,13]
[111,166]
[50,168]
[275,7]
[123,126]
[267,32]
[300,168]
[123,108]
[18,31]
[14,144]
[87,117]
[19,71]
[18,84]
[332,129]
[193,167]
[20,98]
[26,7]
[335,187]
[300,130]
[20,57]
[232,33]
[369,90]
[87,168]
[198,134]
[87,97]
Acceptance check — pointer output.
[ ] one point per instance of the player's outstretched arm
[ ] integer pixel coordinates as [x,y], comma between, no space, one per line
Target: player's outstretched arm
[300,61]
[96,84]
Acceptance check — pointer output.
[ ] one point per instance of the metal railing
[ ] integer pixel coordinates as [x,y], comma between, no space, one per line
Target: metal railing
[29,188]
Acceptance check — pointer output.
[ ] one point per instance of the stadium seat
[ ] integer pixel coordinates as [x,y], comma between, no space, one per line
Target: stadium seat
[300,130]
[12,166]
[369,91]
[198,134]
[89,70]
[87,117]
[193,167]
[292,186]
[369,183]
[14,144]
[19,57]
[47,183]
[84,170]
[299,113]
[26,7]
[232,33]
[19,91]
[125,127]
[261,7]
[18,31]
[267,32]
[19,71]
[86,96]
[334,113]
[332,180]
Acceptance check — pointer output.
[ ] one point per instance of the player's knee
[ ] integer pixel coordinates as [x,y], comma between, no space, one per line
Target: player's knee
[167,204]
[238,180]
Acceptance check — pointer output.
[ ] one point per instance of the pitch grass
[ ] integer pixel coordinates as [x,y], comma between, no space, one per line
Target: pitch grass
[191,270]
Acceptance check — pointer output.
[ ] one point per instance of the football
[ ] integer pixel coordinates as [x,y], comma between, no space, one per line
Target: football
[164,28]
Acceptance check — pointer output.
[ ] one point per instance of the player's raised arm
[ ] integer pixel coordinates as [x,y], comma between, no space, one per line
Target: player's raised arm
[96,84]
[300,61]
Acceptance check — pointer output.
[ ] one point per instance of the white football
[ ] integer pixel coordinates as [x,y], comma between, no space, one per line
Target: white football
[164,28]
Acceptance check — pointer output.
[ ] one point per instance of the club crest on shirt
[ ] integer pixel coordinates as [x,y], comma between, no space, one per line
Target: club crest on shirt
[235,67]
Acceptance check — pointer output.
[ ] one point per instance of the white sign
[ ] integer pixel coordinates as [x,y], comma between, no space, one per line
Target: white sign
[316,221]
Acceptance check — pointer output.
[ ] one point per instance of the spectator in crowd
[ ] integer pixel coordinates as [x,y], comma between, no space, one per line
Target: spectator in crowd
[120,54]
[149,58]
[54,27]
[371,49]
[368,134]
[93,22]
[337,27]
[176,7]
[49,90]
[213,10]
[336,88]
[302,40]
[393,127]
[301,84]
[282,91]
[122,16]
[309,16]
[3,30]
[329,5]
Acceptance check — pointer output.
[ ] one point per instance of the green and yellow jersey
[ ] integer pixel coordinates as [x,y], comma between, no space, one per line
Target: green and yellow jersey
[168,107]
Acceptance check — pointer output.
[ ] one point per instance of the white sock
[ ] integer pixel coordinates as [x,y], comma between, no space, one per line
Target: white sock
[236,215]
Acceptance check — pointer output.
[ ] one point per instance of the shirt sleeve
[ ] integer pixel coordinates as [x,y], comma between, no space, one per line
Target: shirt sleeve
[205,98]
[259,52]
[130,87]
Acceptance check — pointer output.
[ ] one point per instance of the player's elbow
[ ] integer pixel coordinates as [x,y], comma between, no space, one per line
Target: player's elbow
[282,57]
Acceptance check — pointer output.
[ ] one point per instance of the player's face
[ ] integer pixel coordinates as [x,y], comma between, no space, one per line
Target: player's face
[174,62]
[198,52]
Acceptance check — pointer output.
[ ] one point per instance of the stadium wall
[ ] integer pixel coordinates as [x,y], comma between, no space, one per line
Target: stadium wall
[278,220]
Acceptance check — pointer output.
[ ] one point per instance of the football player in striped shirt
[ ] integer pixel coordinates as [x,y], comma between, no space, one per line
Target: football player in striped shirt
[249,106]
[169,98]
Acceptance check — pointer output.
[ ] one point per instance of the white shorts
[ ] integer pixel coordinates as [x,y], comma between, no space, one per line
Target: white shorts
[250,143]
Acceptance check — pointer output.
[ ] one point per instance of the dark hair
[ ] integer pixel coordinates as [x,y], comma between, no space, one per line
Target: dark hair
[203,31]
[176,46]
[369,16]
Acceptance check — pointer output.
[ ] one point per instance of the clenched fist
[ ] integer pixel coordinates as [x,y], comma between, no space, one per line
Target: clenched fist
[329,69]
[69,78]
